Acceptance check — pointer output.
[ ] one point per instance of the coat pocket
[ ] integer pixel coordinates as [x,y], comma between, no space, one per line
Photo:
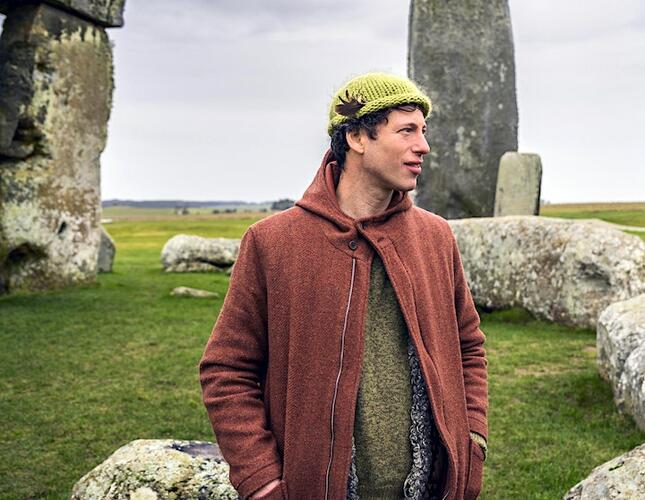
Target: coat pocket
[277,493]
[475,472]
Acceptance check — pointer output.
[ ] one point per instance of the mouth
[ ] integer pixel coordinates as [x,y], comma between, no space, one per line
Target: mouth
[413,166]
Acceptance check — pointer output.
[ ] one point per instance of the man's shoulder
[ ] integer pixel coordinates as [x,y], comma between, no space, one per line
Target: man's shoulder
[429,220]
[278,225]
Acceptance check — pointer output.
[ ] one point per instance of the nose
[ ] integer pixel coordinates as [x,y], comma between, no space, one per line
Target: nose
[421,146]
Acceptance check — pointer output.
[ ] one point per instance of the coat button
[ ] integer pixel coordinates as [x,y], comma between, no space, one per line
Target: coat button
[353,245]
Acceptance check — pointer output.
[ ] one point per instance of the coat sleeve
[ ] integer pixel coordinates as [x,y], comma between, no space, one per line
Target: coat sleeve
[473,355]
[231,368]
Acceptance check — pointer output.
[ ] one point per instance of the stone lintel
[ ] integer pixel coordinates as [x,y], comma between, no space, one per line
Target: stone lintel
[106,13]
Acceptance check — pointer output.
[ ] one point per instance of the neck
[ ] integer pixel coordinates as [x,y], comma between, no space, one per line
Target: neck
[358,197]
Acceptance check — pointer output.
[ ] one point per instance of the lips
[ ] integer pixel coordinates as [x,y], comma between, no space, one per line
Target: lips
[413,166]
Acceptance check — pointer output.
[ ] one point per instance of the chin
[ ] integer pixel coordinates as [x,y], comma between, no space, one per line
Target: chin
[407,187]
[404,185]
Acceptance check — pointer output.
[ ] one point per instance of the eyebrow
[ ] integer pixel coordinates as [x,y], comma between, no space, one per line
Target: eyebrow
[413,125]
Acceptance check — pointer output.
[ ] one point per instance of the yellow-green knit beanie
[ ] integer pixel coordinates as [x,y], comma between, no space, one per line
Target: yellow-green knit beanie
[372,92]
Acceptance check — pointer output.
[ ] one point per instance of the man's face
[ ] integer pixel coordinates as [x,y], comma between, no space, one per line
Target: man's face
[393,160]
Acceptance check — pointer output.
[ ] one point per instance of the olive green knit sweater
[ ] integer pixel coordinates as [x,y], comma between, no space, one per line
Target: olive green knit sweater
[382,427]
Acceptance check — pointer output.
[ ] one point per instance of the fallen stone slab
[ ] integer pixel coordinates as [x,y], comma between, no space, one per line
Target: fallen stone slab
[149,469]
[184,291]
[621,478]
[622,227]
[560,270]
[620,344]
[185,253]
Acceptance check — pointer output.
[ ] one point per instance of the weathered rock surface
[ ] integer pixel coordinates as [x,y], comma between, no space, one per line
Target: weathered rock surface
[621,478]
[107,251]
[107,13]
[185,253]
[620,341]
[560,270]
[185,291]
[55,98]
[462,54]
[149,469]
[518,185]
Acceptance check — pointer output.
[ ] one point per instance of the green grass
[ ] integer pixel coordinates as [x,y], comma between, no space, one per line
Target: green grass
[85,370]
[628,214]
[552,419]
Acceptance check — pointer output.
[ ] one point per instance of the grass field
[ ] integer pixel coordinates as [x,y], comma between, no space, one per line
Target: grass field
[628,214]
[85,370]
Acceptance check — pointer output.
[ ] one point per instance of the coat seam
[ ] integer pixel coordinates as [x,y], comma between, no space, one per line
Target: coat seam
[337,385]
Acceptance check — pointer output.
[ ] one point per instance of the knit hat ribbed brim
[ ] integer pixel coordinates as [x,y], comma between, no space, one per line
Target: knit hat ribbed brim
[373,92]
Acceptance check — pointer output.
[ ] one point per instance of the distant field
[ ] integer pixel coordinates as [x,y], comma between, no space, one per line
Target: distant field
[613,206]
[628,214]
[133,213]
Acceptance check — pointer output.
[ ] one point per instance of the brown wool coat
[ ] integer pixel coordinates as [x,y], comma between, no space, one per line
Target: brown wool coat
[280,372]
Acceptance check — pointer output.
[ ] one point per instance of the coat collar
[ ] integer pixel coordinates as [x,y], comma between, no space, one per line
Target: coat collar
[320,198]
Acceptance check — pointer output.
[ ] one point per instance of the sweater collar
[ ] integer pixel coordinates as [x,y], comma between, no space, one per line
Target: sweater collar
[320,198]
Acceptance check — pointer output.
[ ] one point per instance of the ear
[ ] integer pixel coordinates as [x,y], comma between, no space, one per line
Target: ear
[356,140]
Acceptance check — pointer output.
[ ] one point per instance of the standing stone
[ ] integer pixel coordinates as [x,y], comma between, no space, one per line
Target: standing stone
[461,53]
[55,97]
[107,250]
[518,185]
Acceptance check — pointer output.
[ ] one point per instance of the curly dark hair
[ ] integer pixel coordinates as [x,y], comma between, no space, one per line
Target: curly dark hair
[369,122]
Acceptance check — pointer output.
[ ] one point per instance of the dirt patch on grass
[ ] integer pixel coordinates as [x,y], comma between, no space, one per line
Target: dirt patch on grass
[574,365]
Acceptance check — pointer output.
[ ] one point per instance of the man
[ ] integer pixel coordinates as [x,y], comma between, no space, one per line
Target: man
[347,360]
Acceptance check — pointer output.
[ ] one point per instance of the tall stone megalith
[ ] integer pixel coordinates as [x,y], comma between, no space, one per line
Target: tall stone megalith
[461,53]
[55,99]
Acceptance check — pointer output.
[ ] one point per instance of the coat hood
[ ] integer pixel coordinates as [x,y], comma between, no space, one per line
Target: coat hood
[320,198]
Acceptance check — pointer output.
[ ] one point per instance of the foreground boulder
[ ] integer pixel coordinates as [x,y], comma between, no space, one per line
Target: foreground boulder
[621,354]
[621,477]
[560,270]
[149,469]
[184,253]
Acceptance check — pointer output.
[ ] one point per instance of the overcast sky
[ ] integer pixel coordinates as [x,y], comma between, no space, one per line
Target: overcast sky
[227,100]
